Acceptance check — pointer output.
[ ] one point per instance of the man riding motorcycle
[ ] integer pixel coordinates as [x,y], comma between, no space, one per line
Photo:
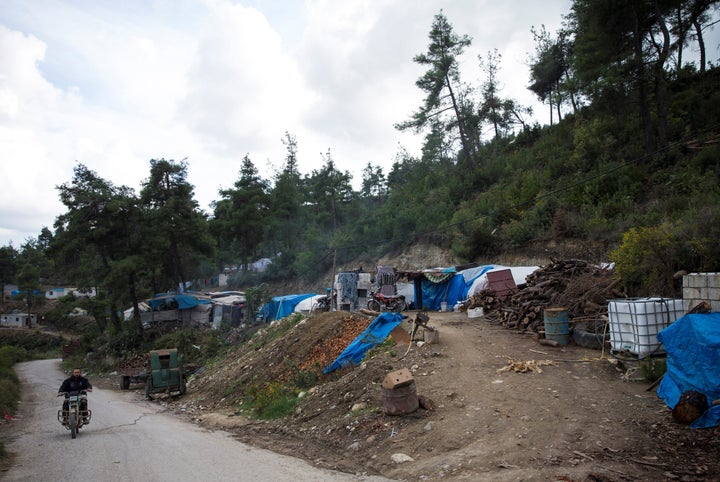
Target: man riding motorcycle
[75,383]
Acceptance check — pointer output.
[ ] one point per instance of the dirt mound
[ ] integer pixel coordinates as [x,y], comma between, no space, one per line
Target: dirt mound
[279,354]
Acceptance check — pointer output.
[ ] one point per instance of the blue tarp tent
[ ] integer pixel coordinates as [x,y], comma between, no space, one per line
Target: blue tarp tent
[444,285]
[281,306]
[373,335]
[692,344]
[182,301]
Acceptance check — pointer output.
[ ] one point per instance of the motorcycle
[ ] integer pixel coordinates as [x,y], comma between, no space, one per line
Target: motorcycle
[324,303]
[380,302]
[74,417]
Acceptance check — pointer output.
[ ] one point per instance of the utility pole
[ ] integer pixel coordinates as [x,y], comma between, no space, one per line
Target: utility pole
[332,282]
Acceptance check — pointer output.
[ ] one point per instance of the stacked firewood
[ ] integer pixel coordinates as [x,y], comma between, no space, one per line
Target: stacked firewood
[580,288]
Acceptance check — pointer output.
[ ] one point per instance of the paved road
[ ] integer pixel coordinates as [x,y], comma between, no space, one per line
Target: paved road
[131,440]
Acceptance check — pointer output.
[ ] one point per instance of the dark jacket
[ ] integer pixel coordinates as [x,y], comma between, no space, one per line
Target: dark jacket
[75,384]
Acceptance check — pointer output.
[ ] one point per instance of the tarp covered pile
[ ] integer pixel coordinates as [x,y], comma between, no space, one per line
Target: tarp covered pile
[692,345]
[374,335]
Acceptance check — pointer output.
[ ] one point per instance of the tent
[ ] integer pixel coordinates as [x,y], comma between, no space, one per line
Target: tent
[281,306]
[306,305]
[128,313]
[439,285]
[692,344]
[444,285]
[181,301]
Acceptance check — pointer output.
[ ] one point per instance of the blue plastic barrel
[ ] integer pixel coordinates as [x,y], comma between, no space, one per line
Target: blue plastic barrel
[557,327]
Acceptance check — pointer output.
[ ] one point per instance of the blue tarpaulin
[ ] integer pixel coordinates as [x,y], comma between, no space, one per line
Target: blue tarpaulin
[452,289]
[692,344]
[180,301]
[281,306]
[374,334]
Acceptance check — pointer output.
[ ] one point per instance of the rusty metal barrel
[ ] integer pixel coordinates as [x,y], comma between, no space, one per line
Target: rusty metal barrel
[557,326]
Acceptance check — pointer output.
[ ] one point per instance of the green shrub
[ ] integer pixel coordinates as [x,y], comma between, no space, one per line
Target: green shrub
[647,259]
[9,392]
[304,379]
[271,400]
[184,340]
[35,343]
[128,340]
[10,355]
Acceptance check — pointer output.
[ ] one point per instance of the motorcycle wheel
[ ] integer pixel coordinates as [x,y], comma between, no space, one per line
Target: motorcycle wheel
[374,305]
[73,424]
[400,306]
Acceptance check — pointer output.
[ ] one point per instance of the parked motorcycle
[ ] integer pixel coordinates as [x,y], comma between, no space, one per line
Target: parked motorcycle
[380,302]
[74,416]
[324,303]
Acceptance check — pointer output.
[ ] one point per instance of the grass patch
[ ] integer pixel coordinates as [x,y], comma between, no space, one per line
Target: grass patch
[270,401]
[388,346]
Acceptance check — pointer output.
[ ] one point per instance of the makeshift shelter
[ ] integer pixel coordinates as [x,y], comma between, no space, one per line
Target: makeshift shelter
[692,344]
[306,306]
[181,301]
[228,308]
[280,307]
[183,308]
[351,289]
[128,313]
[448,285]
[348,292]
[436,286]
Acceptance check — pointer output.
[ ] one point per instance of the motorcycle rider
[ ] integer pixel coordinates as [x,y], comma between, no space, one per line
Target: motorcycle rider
[75,383]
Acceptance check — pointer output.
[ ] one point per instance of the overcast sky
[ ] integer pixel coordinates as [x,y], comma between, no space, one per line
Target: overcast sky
[112,84]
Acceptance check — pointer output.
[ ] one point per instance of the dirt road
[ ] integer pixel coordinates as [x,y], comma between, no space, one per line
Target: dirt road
[130,439]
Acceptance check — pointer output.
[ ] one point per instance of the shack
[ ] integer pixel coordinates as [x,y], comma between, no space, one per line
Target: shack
[186,309]
[19,320]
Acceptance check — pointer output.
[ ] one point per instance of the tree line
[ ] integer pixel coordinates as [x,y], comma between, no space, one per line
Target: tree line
[631,148]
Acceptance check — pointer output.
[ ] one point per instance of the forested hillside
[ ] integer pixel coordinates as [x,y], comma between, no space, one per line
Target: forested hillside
[631,162]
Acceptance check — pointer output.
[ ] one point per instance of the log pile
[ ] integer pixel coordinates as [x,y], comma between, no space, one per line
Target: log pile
[575,285]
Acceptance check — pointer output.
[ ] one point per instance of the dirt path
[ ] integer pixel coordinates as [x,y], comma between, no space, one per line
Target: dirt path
[538,424]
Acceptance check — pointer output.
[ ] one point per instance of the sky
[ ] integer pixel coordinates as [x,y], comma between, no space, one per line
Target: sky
[112,85]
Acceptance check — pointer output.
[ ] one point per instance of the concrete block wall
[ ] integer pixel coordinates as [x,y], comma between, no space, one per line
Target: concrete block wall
[698,287]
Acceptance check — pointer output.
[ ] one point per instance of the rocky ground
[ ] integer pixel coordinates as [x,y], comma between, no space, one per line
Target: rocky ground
[503,407]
